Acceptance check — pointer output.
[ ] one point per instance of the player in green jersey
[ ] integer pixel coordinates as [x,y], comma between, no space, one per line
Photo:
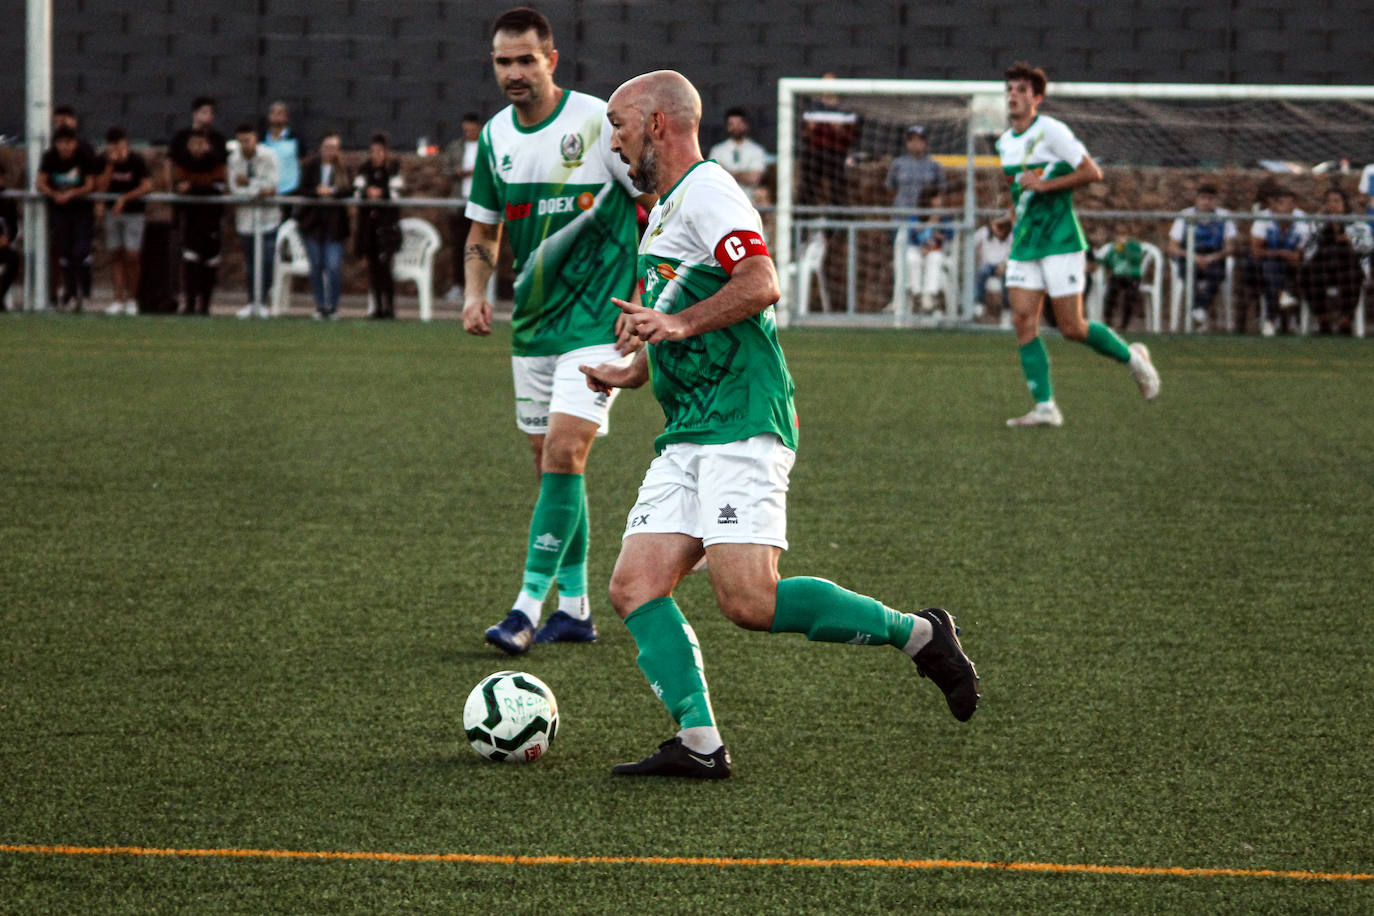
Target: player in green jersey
[718,486]
[1044,163]
[545,172]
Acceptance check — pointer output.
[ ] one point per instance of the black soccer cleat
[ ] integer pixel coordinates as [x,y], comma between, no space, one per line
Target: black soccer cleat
[513,635]
[673,758]
[944,662]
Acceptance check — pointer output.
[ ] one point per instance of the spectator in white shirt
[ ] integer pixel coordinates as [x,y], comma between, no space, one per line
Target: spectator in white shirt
[741,157]
[253,173]
[991,246]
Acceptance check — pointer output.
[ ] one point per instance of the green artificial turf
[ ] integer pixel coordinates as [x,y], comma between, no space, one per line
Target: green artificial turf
[245,569]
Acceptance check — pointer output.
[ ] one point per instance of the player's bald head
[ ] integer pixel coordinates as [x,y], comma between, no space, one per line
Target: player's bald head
[665,91]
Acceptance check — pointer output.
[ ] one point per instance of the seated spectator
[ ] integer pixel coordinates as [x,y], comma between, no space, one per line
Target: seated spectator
[744,159]
[126,173]
[324,229]
[991,246]
[1331,275]
[254,173]
[1276,244]
[67,176]
[202,173]
[1214,238]
[10,258]
[928,242]
[379,228]
[1123,262]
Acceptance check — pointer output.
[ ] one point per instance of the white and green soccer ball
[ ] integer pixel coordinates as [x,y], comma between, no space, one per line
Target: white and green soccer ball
[511,716]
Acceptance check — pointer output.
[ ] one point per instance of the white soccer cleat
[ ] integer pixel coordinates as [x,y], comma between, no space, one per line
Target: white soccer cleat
[1045,413]
[1144,372]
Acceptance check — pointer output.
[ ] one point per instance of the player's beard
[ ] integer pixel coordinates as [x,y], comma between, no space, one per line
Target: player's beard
[645,178]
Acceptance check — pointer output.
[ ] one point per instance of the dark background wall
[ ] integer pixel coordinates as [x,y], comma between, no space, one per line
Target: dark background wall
[413,67]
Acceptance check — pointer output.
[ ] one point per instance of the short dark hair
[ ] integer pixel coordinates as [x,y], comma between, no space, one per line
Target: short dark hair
[64,110]
[202,100]
[115,134]
[1207,189]
[329,133]
[380,137]
[736,112]
[63,133]
[245,128]
[1034,75]
[472,117]
[521,20]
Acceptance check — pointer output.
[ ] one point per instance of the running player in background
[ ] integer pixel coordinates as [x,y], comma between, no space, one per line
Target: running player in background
[719,484]
[545,171]
[1044,162]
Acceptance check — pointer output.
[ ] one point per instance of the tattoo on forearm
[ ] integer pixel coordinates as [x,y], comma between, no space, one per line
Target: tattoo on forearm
[479,253]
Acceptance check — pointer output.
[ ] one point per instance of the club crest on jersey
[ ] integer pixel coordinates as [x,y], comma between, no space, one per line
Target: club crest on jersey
[571,147]
[663,218]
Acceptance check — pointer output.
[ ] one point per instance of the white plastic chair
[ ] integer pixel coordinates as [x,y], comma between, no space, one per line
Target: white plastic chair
[1178,303]
[901,282]
[289,260]
[1151,285]
[811,264]
[415,261]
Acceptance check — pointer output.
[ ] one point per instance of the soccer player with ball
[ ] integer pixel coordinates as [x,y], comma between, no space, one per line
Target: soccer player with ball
[1044,162]
[718,486]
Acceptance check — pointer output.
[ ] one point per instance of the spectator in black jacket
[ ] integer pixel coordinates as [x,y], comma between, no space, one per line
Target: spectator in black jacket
[379,228]
[202,174]
[324,229]
[67,176]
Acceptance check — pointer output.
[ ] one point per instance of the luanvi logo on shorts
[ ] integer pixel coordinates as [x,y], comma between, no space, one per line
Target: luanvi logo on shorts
[727,515]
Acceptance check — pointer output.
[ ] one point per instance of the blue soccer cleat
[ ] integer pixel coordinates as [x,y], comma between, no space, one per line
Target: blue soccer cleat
[561,627]
[514,635]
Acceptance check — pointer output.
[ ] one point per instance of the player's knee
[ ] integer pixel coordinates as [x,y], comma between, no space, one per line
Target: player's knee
[563,456]
[750,608]
[628,592]
[1074,330]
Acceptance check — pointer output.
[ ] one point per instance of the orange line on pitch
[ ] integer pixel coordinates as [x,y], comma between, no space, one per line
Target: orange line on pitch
[715,862]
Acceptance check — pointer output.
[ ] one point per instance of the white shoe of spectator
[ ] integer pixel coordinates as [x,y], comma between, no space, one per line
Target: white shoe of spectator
[115,308]
[245,312]
[1267,328]
[1144,372]
[131,307]
[1045,413]
[1200,317]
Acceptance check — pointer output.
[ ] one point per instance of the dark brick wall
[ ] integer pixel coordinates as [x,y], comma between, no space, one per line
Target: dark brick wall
[414,66]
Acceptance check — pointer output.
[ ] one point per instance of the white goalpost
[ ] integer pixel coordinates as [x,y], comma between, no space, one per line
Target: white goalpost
[844,250]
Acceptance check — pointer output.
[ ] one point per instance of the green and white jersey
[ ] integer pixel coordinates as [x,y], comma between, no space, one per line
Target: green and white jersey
[569,211]
[731,383]
[1046,223]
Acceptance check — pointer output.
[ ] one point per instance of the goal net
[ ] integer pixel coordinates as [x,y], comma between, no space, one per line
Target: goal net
[887,191]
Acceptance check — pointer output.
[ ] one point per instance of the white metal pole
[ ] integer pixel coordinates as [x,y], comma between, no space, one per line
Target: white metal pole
[38,118]
[782,224]
[968,306]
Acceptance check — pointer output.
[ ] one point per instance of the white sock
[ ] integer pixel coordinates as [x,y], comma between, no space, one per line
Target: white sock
[704,739]
[575,606]
[921,633]
[530,606]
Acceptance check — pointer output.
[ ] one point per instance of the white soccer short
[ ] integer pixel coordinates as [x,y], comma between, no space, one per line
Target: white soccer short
[552,384]
[1057,274]
[733,493]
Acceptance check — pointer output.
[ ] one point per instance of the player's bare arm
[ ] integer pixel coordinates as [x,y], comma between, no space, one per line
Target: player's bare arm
[479,260]
[607,376]
[1087,172]
[751,288]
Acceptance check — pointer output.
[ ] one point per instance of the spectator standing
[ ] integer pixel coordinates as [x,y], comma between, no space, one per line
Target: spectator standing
[203,174]
[1123,261]
[254,174]
[828,134]
[1331,275]
[379,227]
[1276,244]
[911,173]
[1213,239]
[126,173]
[286,147]
[10,258]
[460,159]
[324,229]
[67,176]
[991,247]
[202,119]
[739,155]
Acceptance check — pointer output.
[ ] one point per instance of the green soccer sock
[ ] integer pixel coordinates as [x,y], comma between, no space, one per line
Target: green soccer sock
[562,498]
[670,658]
[572,572]
[1107,342]
[826,612]
[1035,364]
